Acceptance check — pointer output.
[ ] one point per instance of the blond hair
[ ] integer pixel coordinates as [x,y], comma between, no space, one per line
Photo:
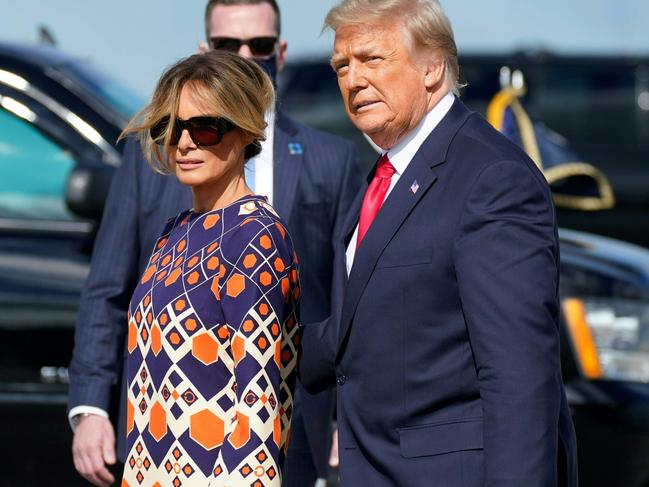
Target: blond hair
[233,88]
[424,20]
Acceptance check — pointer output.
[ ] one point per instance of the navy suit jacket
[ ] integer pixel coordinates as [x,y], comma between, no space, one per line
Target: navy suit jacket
[445,349]
[315,182]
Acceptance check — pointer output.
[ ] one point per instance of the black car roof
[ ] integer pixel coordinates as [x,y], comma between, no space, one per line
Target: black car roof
[54,71]
[41,55]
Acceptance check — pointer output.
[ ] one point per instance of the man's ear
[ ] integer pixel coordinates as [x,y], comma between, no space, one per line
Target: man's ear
[281,55]
[203,47]
[435,71]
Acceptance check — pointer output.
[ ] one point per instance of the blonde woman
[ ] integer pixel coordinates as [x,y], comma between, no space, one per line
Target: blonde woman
[213,321]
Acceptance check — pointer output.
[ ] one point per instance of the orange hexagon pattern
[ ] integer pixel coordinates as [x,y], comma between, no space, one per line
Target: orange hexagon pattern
[241,434]
[213,263]
[265,278]
[158,422]
[249,261]
[207,429]
[265,242]
[210,221]
[192,278]
[177,409]
[205,348]
[156,340]
[235,285]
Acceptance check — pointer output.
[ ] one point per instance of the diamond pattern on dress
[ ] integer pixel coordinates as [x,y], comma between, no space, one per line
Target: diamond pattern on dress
[212,344]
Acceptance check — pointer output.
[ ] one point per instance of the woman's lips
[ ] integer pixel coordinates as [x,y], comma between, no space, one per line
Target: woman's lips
[189,164]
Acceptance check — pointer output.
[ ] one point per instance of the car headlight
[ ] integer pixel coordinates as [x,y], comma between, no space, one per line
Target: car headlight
[610,337]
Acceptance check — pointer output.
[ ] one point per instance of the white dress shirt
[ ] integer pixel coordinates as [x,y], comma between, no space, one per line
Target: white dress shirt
[259,169]
[402,153]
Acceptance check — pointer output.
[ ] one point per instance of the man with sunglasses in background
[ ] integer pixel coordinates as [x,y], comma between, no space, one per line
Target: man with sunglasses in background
[310,178]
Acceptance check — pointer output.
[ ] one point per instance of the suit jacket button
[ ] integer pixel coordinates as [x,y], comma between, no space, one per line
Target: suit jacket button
[341,379]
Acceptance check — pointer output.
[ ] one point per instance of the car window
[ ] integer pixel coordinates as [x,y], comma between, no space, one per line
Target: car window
[601,109]
[33,172]
[596,108]
[108,89]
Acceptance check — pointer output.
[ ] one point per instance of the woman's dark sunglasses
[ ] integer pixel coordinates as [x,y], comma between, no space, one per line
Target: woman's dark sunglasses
[204,131]
[259,46]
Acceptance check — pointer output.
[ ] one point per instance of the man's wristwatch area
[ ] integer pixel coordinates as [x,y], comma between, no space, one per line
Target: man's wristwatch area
[76,419]
[77,413]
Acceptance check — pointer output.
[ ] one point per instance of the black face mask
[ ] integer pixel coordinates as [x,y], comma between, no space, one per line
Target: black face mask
[269,65]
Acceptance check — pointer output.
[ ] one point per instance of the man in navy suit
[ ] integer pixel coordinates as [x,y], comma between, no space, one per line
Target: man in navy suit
[311,179]
[445,351]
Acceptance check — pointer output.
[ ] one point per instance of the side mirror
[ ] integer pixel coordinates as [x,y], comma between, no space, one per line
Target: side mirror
[86,190]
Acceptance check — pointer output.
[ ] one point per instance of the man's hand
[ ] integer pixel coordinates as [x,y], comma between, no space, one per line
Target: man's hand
[93,446]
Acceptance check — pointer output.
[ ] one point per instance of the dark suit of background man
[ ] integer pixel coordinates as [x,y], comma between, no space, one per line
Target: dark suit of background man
[313,178]
[447,353]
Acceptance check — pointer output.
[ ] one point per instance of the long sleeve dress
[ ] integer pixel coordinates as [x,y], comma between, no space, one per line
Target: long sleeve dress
[212,350]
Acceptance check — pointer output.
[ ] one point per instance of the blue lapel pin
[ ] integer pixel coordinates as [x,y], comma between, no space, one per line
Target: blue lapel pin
[414,187]
[295,148]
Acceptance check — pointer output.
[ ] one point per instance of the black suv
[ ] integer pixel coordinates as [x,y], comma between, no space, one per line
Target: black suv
[59,120]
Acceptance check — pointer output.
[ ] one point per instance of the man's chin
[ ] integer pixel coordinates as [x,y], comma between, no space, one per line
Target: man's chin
[371,128]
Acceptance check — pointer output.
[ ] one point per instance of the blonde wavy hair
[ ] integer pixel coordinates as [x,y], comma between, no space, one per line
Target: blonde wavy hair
[424,20]
[234,88]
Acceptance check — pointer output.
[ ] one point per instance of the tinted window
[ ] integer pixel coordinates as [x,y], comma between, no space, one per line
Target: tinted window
[602,108]
[33,172]
[595,108]
[481,82]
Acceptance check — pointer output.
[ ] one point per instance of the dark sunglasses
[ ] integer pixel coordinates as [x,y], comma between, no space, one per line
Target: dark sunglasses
[259,46]
[204,131]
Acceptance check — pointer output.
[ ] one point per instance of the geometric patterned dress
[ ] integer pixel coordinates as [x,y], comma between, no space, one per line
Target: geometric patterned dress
[212,351]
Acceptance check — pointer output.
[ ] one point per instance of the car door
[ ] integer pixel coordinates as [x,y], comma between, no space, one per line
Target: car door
[44,258]
[44,247]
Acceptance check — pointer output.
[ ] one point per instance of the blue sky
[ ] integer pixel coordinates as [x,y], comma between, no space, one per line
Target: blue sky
[134,40]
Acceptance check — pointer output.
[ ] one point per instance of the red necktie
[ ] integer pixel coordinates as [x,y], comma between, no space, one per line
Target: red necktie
[374,196]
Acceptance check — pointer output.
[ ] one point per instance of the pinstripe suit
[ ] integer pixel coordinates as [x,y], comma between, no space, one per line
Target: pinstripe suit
[313,187]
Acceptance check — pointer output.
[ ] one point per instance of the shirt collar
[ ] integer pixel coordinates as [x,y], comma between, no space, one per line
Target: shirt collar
[266,154]
[402,153]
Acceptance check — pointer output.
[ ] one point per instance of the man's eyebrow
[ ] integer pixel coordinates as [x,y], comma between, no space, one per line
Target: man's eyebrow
[336,59]
[360,52]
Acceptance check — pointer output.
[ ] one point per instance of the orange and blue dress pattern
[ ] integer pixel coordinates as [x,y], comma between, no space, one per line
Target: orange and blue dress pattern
[212,351]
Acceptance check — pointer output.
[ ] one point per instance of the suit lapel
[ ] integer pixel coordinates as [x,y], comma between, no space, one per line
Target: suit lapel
[351,219]
[288,154]
[414,183]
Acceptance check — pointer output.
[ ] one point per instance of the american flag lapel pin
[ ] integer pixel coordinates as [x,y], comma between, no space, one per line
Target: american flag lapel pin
[414,187]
